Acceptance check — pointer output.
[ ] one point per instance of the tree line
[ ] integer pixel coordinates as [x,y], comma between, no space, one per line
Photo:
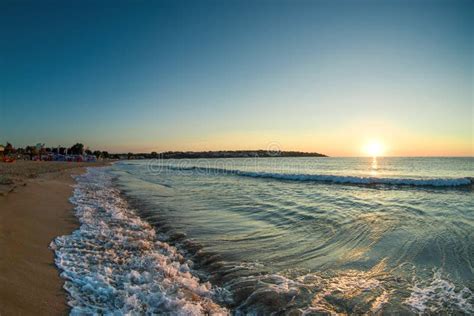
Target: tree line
[78,149]
[41,149]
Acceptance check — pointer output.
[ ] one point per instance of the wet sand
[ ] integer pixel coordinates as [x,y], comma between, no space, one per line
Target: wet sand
[34,209]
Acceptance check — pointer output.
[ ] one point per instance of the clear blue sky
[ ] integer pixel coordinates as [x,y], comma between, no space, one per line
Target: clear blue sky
[321,76]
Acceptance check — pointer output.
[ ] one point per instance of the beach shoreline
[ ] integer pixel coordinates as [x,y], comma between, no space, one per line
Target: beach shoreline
[34,209]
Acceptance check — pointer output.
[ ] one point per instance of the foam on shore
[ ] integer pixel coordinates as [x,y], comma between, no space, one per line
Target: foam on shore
[115,264]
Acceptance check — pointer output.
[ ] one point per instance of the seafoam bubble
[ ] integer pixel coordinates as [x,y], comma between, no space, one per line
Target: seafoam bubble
[440,295]
[114,262]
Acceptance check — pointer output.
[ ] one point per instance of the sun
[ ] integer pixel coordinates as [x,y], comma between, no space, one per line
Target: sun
[374,148]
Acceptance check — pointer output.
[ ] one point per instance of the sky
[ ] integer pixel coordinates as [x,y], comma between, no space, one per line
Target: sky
[322,76]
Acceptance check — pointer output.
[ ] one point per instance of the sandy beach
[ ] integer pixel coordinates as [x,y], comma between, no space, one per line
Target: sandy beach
[34,209]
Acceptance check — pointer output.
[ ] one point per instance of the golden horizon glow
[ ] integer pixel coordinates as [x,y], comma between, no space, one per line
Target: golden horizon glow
[374,148]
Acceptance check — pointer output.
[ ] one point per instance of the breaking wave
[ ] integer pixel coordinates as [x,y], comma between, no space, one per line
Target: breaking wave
[114,262]
[335,179]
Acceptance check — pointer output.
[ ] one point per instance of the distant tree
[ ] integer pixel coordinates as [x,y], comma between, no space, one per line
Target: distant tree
[154,154]
[9,149]
[97,154]
[129,155]
[41,149]
[77,149]
[88,152]
[105,154]
[31,151]
[62,150]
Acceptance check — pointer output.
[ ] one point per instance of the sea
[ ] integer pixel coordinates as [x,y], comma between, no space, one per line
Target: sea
[272,236]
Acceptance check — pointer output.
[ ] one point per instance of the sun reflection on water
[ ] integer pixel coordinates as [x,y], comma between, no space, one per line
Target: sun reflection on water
[374,167]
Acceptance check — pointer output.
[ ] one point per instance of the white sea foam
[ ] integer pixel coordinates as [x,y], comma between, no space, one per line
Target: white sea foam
[115,264]
[335,179]
[439,293]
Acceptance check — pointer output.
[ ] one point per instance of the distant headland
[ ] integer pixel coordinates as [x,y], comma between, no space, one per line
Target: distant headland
[235,154]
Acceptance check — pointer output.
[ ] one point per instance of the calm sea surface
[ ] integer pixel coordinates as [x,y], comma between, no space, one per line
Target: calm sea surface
[315,235]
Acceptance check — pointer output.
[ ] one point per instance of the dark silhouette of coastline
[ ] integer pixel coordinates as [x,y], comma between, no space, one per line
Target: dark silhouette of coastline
[225,154]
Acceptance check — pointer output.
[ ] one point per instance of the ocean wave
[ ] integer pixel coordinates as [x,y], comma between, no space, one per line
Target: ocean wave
[334,179]
[114,263]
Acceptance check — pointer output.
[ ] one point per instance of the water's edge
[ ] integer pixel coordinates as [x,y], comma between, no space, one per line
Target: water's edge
[115,263]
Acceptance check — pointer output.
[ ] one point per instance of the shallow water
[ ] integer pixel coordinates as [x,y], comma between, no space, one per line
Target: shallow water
[308,235]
